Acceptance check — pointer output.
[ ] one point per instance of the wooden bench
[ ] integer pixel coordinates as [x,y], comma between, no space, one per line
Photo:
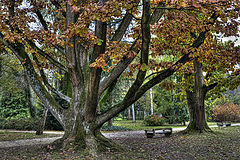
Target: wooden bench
[224,124]
[153,132]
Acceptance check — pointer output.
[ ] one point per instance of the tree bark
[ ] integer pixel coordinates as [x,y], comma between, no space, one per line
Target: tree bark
[195,100]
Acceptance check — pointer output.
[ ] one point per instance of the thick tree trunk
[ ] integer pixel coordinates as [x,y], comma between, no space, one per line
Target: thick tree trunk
[85,137]
[195,101]
[197,114]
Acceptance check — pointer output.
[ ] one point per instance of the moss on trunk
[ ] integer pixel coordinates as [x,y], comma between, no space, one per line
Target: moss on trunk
[87,139]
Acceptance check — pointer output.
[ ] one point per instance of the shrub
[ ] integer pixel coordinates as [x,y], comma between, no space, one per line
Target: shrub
[227,112]
[19,124]
[154,120]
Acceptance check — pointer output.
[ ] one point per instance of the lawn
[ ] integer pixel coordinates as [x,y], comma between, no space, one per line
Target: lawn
[10,136]
[222,144]
[138,125]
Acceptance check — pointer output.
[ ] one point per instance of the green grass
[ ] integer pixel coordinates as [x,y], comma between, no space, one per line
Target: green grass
[138,125]
[10,136]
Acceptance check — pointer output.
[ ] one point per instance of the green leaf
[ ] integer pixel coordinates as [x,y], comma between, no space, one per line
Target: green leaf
[99,42]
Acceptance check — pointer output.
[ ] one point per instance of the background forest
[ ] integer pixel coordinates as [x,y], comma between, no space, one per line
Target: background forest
[21,109]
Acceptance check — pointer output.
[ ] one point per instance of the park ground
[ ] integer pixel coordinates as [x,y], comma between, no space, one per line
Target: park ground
[223,143]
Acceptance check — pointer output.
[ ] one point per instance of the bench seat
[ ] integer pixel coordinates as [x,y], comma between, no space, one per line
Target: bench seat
[151,133]
[224,124]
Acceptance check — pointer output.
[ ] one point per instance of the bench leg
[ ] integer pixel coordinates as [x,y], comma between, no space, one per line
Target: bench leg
[150,135]
[168,134]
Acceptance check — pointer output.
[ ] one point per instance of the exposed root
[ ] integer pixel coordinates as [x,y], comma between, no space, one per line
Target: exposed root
[91,145]
[194,130]
[107,144]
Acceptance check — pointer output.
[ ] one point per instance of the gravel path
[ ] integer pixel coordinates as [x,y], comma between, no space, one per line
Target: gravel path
[16,143]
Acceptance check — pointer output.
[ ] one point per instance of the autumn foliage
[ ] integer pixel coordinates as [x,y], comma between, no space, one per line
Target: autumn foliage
[227,112]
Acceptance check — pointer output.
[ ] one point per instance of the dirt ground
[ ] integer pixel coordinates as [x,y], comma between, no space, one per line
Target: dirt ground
[224,144]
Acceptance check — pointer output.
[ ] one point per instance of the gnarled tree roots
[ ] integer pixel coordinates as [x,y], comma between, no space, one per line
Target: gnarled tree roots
[91,145]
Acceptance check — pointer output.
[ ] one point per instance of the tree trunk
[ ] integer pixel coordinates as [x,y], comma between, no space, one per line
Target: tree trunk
[129,113]
[145,106]
[195,100]
[27,91]
[110,122]
[133,114]
[42,122]
[151,99]
[85,136]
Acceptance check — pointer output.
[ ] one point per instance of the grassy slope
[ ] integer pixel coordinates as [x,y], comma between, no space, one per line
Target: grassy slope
[138,125]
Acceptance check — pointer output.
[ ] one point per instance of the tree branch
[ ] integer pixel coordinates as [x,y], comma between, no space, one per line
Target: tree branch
[42,53]
[58,6]
[131,98]
[44,24]
[122,27]
[122,65]
[19,50]
[210,87]
[117,71]
[45,81]
[33,45]
[157,14]
[146,36]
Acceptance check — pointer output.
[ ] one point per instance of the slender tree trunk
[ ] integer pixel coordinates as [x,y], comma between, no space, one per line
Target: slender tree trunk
[129,113]
[133,114]
[110,122]
[145,106]
[184,123]
[195,101]
[27,90]
[151,99]
[42,122]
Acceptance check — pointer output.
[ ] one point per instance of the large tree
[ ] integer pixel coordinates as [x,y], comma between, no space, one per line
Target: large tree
[84,39]
[217,75]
